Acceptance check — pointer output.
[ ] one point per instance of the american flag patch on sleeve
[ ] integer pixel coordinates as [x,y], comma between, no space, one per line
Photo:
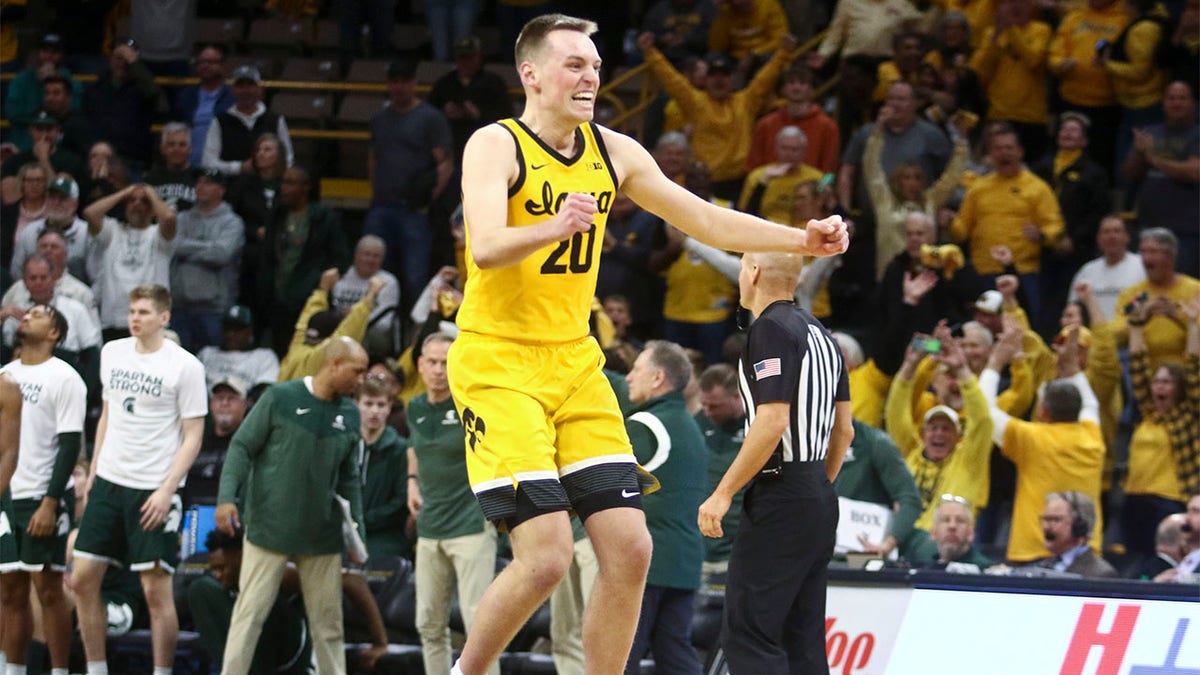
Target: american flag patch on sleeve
[767,368]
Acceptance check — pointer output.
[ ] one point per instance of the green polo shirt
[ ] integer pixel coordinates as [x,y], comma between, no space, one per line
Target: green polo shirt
[448,507]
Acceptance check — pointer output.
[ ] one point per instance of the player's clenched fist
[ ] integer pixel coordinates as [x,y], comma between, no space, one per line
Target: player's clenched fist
[577,213]
[827,236]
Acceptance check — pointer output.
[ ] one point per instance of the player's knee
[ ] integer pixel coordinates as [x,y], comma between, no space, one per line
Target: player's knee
[87,577]
[50,590]
[636,549]
[14,590]
[549,565]
[158,591]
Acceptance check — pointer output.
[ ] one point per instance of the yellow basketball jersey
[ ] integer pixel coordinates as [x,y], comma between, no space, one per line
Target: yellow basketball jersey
[547,296]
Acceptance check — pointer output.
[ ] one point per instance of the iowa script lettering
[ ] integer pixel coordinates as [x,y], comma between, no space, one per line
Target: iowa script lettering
[551,202]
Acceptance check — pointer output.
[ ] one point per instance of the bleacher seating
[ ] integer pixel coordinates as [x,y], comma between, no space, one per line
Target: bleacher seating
[225,32]
[429,71]
[410,37]
[279,34]
[326,38]
[310,69]
[303,108]
[367,70]
[358,109]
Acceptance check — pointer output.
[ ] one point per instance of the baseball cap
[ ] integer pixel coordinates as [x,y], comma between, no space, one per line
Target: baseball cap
[719,63]
[52,41]
[1083,120]
[211,174]
[64,185]
[468,44]
[990,302]
[232,382]
[239,314]
[944,411]
[44,119]
[246,72]
[322,325]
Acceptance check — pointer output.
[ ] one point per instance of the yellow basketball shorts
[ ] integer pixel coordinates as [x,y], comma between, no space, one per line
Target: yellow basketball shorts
[543,429]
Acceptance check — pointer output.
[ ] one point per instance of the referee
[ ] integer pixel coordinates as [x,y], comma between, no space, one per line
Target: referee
[797,399]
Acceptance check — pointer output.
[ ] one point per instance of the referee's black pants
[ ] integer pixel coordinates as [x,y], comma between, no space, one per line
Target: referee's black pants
[775,595]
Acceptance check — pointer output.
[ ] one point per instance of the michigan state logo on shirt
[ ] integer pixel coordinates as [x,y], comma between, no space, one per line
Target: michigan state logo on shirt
[127,404]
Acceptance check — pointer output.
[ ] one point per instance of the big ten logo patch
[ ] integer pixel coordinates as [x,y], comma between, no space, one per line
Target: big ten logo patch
[473,427]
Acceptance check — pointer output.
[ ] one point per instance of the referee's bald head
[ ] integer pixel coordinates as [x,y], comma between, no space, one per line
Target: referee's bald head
[775,271]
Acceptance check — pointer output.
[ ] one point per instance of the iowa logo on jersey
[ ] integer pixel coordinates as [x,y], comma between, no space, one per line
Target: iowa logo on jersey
[551,201]
[474,427]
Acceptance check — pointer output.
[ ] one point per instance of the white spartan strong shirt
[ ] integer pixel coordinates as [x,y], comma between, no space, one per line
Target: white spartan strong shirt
[148,397]
[54,401]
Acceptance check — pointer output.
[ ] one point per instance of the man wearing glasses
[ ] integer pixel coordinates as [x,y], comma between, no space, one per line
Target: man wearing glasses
[951,545]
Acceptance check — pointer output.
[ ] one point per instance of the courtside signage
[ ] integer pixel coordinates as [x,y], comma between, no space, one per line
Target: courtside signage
[1004,633]
[861,627]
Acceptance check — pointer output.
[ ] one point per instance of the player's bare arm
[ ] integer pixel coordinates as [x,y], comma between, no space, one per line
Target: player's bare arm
[726,229]
[10,429]
[158,504]
[485,205]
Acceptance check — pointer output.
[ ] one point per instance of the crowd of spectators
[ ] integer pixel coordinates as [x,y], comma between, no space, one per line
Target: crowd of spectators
[1025,384]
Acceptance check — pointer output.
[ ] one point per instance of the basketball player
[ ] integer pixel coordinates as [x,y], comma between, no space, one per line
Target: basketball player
[543,430]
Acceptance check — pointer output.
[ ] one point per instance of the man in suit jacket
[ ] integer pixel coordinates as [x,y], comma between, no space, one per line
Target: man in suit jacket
[1067,523]
[1170,546]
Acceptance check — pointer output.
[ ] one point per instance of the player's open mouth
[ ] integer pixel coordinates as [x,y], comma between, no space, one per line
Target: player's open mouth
[586,96]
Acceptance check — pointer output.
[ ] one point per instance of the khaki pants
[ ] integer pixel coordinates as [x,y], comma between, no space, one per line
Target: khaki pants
[471,562]
[566,610]
[321,586]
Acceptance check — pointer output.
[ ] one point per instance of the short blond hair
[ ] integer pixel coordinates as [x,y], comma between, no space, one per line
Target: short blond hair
[533,35]
[155,293]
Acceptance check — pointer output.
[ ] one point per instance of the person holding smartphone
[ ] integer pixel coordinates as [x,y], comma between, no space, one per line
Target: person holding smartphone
[950,452]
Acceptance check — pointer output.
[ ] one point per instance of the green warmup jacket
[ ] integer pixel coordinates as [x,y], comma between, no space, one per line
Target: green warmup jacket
[384,466]
[874,471]
[291,455]
[668,444]
[724,443]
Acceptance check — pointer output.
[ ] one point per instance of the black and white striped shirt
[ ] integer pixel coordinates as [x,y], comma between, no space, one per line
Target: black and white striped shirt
[791,358]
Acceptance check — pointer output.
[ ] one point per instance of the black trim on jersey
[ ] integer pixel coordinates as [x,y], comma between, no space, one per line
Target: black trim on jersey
[520,182]
[580,143]
[612,170]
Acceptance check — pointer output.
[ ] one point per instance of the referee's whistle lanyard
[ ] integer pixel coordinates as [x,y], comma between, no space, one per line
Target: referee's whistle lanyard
[744,318]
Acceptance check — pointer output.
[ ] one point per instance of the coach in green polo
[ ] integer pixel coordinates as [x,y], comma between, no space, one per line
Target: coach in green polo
[668,443]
